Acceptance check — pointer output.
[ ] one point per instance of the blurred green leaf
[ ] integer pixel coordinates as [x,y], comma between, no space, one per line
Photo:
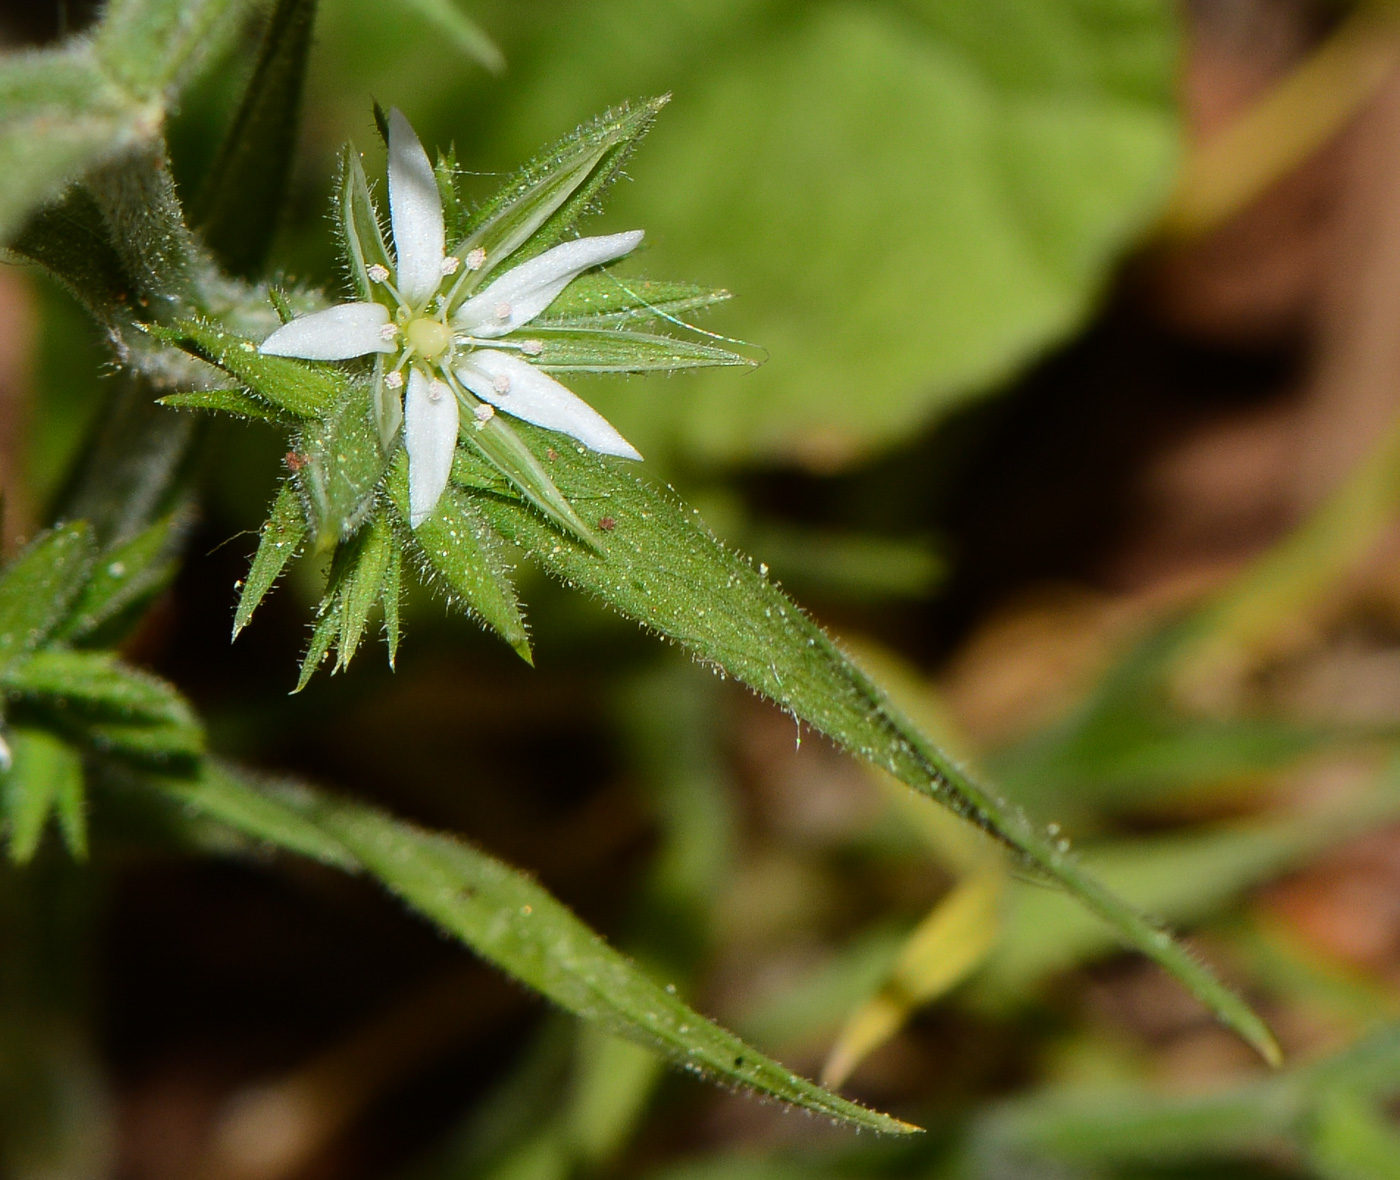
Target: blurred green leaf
[913,199]
[511,921]
[46,776]
[39,587]
[464,32]
[125,578]
[241,200]
[148,46]
[1352,1140]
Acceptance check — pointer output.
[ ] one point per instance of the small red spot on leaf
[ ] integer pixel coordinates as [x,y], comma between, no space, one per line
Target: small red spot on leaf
[551,454]
[607,524]
[294,461]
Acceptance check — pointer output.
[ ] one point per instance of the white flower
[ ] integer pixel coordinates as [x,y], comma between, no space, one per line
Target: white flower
[463,356]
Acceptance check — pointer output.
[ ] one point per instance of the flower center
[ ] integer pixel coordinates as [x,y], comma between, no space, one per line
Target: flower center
[430,339]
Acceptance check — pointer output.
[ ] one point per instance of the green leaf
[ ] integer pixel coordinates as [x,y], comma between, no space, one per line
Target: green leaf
[601,299]
[1352,1140]
[548,195]
[513,922]
[70,240]
[151,45]
[243,192]
[611,350]
[457,549]
[62,114]
[915,199]
[39,587]
[125,577]
[464,32]
[116,706]
[660,566]
[302,389]
[46,774]
[281,538]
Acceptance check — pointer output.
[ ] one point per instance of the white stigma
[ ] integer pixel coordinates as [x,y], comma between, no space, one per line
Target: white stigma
[377,273]
[394,380]
[476,259]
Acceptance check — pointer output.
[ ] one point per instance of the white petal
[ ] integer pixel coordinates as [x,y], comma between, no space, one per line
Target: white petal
[430,437]
[336,334]
[415,211]
[516,387]
[520,294]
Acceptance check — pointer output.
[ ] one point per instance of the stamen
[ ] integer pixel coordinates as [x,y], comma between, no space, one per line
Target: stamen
[394,380]
[388,331]
[377,273]
[532,347]
[450,264]
[503,312]
[501,383]
[483,414]
[436,389]
[476,259]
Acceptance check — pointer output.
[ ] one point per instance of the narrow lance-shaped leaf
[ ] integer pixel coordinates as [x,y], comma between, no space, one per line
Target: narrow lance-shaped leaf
[510,920]
[125,577]
[38,588]
[661,567]
[243,192]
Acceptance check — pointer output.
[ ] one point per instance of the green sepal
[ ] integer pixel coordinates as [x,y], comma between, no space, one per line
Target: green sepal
[125,578]
[360,231]
[541,203]
[363,584]
[281,538]
[325,632]
[457,549]
[301,389]
[339,462]
[499,444]
[116,707]
[45,776]
[456,216]
[393,595]
[599,299]
[238,402]
[39,587]
[611,350]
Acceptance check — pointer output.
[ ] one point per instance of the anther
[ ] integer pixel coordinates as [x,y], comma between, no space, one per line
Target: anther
[501,384]
[502,312]
[450,264]
[476,259]
[532,347]
[436,390]
[394,380]
[388,331]
[377,273]
[484,413]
